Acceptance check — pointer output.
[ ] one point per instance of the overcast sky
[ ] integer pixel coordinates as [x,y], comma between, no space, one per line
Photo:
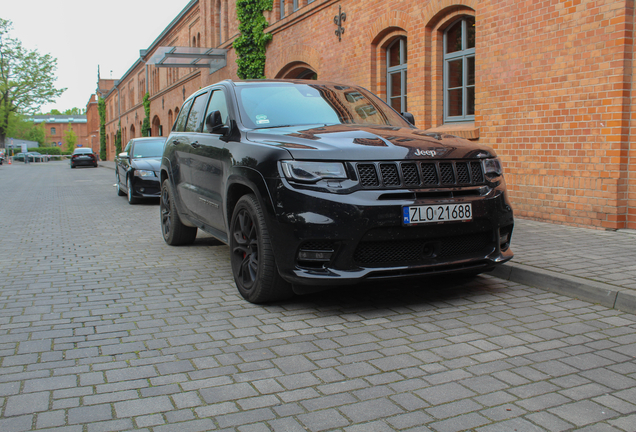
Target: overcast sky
[83,34]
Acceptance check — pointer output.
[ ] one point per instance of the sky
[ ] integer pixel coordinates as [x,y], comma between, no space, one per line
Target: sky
[85,34]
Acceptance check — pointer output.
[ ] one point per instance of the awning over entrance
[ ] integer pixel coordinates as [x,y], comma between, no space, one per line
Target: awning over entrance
[211,58]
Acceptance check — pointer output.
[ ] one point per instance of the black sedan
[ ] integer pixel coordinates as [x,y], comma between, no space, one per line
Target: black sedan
[83,156]
[137,167]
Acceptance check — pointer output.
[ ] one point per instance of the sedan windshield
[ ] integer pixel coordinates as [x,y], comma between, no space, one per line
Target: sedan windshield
[270,105]
[148,148]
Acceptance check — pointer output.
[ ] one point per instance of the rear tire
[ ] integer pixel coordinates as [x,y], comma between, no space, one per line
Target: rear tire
[253,262]
[174,232]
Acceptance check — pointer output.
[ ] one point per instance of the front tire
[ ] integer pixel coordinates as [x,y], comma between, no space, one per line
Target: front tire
[174,232]
[119,191]
[131,198]
[253,262]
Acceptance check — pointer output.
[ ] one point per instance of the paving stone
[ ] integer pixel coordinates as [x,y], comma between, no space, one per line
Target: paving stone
[27,403]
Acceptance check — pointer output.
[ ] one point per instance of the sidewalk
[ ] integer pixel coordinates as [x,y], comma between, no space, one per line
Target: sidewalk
[593,265]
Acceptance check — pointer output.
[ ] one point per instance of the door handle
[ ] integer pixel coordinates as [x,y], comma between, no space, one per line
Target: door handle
[195,144]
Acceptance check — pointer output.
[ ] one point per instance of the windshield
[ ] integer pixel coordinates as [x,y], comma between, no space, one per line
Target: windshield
[148,148]
[270,105]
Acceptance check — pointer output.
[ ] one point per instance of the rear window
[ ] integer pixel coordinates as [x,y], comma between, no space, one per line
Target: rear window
[82,150]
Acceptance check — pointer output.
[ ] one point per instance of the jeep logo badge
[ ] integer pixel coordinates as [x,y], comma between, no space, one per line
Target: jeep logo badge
[430,153]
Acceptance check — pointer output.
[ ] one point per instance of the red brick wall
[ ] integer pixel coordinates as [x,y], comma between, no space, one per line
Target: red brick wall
[553,85]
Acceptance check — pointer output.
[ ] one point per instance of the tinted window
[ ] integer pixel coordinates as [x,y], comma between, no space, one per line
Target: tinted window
[218,103]
[195,119]
[183,115]
[127,149]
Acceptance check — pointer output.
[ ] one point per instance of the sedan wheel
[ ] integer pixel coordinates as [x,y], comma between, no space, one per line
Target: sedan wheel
[119,191]
[253,262]
[174,232]
[131,198]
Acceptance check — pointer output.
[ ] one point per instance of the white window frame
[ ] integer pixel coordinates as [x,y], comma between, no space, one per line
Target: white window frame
[402,68]
[464,55]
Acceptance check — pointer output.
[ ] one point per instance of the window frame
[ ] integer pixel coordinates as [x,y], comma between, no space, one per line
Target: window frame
[402,68]
[463,54]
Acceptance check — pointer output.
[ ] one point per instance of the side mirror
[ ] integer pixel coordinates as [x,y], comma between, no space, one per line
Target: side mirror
[123,155]
[409,117]
[214,123]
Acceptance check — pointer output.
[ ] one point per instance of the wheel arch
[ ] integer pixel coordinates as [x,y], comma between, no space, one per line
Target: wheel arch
[245,181]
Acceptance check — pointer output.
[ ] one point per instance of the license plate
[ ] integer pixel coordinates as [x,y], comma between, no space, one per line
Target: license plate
[437,213]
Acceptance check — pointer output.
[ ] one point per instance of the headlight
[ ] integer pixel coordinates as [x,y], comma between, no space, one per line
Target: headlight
[313,171]
[493,167]
[144,173]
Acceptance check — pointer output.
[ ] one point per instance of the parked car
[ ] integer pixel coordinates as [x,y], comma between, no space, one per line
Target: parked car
[83,156]
[314,185]
[33,157]
[1,159]
[137,168]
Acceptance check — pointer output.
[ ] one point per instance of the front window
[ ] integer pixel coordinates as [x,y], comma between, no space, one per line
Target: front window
[271,105]
[396,75]
[459,71]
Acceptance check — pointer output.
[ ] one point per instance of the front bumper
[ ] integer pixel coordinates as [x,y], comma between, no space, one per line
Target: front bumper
[324,239]
[146,187]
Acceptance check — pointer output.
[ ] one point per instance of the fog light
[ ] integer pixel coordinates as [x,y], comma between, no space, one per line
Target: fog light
[503,239]
[142,190]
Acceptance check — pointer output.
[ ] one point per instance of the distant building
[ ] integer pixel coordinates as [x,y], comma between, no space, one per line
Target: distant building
[16,144]
[56,125]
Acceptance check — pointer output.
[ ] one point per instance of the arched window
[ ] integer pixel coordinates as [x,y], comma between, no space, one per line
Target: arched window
[170,122]
[396,74]
[459,71]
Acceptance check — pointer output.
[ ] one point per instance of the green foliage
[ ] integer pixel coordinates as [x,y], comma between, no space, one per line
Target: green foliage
[118,139]
[70,138]
[251,45]
[46,150]
[26,79]
[21,128]
[101,109]
[145,127]
[72,111]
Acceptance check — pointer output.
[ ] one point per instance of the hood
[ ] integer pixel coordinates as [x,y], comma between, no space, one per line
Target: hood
[360,143]
[148,164]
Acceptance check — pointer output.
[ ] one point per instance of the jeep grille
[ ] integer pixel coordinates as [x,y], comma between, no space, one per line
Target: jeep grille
[420,174]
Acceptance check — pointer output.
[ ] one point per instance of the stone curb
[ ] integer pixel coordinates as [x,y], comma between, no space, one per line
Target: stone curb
[584,289]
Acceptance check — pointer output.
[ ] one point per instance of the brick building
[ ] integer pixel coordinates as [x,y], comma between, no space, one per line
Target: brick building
[56,126]
[547,83]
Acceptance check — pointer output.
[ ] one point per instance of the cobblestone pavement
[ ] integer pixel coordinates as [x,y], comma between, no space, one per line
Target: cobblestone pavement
[103,327]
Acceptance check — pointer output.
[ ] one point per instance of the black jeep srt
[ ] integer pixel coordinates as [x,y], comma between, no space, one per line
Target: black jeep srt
[315,184]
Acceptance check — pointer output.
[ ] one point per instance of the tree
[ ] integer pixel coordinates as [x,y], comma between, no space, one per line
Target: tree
[101,109]
[70,138]
[21,128]
[26,79]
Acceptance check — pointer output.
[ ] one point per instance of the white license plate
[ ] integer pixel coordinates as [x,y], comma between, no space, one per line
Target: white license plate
[437,213]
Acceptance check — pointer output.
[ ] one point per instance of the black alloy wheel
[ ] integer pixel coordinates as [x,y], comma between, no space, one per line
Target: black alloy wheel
[253,262]
[119,191]
[174,232]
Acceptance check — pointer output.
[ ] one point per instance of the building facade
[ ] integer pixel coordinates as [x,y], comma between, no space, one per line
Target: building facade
[547,83]
[56,127]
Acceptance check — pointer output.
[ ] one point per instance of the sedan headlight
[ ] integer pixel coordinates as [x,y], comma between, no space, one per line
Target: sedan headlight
[493,167]
[145,173]
[313,171]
